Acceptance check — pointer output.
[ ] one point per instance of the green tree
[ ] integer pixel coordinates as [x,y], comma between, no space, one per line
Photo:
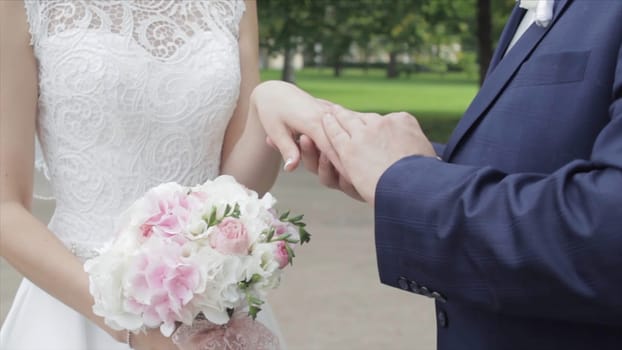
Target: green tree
[282,25]
[396,27]
[402,27]
[339,24]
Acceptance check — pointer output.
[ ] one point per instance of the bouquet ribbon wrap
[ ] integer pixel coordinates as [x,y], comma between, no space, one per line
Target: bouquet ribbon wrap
[240,333]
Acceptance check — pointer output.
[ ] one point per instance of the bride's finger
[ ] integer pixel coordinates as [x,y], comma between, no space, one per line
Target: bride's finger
[283,140]
[271,143]
[327,103]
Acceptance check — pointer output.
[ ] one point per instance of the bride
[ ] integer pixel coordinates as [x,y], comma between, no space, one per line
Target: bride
[122,95]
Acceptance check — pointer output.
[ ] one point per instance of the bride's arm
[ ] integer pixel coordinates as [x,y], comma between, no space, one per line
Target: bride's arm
[25,242]
[245,153]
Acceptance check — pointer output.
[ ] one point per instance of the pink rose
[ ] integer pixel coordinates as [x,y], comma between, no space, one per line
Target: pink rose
[230,237]
[281,255]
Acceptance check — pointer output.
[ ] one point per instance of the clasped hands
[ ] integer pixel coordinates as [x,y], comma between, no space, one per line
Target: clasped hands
[348,150]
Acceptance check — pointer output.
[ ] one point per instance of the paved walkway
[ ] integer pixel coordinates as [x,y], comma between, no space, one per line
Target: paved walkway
[331,298]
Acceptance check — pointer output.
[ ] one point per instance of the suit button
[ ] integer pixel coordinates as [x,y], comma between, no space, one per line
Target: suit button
[424,291]
[414,287]
[441,318]
[438,296]
[403,283]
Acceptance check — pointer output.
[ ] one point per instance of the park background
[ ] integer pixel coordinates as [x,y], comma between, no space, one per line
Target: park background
[426,57]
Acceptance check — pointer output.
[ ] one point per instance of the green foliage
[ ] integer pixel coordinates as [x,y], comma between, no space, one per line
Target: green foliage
[254,303]
[212,219]
[413,27]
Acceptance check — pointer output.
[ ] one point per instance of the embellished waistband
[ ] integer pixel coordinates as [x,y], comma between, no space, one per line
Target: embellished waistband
[84,251]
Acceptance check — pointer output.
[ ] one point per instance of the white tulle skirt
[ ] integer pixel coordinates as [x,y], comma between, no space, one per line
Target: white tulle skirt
[38,321]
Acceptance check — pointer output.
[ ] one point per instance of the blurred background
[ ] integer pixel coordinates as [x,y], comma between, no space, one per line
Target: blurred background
[426,57]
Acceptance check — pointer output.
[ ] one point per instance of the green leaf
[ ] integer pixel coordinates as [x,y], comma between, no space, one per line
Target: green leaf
[244,285]
[255,278]
[212,218]
[283,237]
[227,209]
[253,311]
[290,254]
[296,219]
[254,300]
[284,216]
[305,237]
[236,211]
[270,234]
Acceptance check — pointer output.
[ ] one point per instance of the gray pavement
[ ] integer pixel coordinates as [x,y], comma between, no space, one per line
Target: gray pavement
[331,298]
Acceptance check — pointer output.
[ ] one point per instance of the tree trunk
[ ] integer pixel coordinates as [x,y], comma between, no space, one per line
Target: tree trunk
[392,71]
[484,37]
[337,67]
[287,73]
[366,60]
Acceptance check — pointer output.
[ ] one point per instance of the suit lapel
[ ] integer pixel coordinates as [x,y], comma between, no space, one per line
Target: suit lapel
[506,37]
[499,76]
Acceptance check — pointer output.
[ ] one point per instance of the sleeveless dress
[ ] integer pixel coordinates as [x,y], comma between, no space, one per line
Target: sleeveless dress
[131,94]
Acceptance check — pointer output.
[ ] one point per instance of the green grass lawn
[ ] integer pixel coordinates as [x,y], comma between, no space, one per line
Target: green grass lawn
[436,100]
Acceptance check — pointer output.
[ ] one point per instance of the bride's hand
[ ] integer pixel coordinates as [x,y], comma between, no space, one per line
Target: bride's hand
[285,112]
[152,339]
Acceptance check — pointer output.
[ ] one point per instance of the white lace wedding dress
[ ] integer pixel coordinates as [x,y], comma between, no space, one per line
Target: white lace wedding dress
[131,94]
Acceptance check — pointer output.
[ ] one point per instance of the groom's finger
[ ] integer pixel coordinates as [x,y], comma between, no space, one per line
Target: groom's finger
[309,154]
[330,177]
[349,120]
[337,135]
[368,118]
[339,140]
[326,172]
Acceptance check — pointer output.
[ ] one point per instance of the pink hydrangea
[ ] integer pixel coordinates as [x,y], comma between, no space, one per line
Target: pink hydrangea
[168,214]
[161,284]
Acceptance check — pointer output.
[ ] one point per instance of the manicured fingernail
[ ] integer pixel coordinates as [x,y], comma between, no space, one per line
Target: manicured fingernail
[288,162]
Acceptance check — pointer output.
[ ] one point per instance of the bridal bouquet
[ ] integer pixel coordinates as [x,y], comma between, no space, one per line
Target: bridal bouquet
[185,253]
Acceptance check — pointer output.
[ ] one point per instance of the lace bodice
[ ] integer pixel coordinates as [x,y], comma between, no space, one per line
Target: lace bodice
[132,94]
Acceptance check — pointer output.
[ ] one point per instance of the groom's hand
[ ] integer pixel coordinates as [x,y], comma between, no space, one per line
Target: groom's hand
[318,163]
[367,145]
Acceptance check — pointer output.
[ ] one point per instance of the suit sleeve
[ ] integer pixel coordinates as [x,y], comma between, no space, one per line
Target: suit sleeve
[439,148]
[526,243]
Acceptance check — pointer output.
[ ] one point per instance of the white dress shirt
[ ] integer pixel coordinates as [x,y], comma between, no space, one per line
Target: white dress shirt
[528,20]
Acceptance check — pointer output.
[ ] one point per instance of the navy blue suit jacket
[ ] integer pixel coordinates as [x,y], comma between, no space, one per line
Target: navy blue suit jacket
[517,234]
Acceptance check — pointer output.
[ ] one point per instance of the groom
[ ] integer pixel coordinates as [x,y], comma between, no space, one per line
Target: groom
[516,230]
